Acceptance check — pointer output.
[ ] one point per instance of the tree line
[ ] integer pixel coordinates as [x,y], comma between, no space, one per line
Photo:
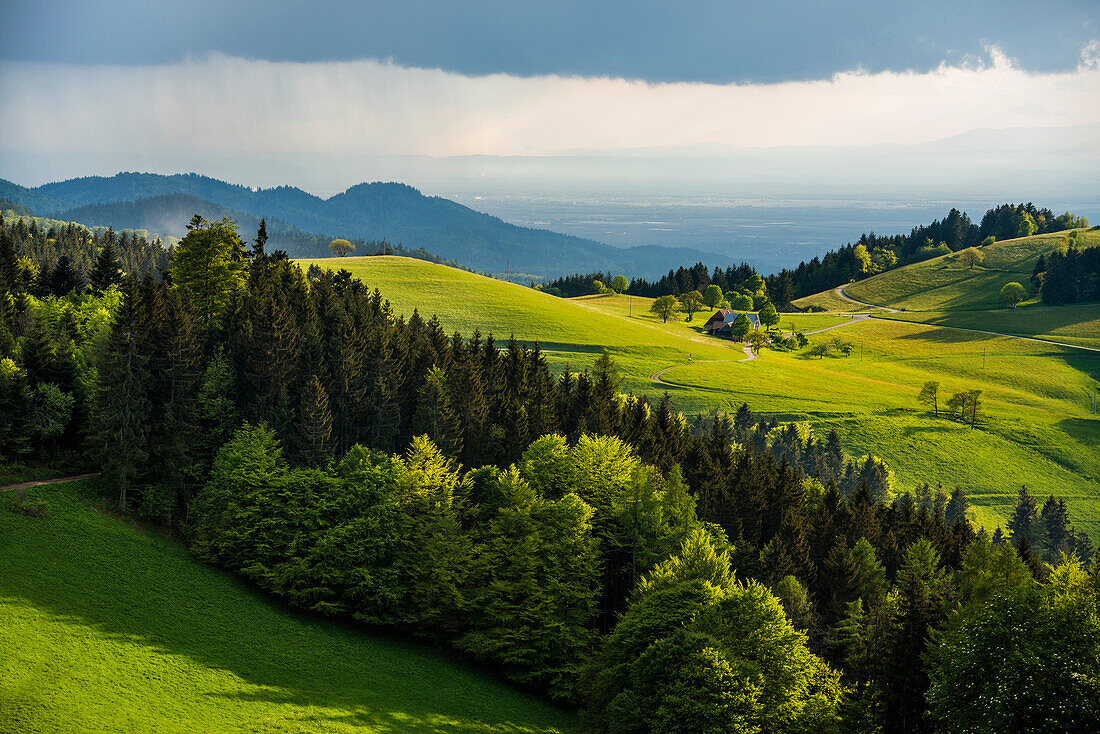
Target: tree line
[869,255]
[1070,274]
[726,573]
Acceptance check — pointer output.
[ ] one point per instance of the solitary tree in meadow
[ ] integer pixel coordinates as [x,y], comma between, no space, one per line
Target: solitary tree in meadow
[664,306]
[1013,293]
[619,284]
[970,257]
[712,296]
[930,395]
[691,302]
[341,247]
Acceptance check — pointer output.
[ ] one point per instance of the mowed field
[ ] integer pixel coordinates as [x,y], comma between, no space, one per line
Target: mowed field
[105,627]
[1038,429]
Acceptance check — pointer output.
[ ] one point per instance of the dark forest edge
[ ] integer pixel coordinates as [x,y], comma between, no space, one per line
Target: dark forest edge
[1073,273]
[664,574]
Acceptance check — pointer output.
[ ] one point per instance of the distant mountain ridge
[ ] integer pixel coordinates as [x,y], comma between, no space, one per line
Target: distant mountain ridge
[369,211]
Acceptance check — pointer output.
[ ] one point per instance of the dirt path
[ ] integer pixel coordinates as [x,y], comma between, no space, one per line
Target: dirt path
[840,292]
[656,376]
[59,480]
[990,333]
[855,319]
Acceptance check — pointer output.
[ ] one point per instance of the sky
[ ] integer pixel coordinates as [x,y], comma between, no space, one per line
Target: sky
[146,85]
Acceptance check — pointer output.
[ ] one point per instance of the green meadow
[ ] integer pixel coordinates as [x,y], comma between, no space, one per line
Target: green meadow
[1038,427]
[945,284]
[106,627]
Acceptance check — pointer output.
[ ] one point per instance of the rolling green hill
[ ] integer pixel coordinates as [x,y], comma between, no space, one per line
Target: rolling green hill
[944,284]
[1038,431]
[106,627]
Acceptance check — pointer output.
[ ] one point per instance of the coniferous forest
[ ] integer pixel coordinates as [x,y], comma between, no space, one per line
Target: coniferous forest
[663,573]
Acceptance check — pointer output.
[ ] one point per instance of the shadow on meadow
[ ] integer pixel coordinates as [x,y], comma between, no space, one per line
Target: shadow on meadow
[136,586]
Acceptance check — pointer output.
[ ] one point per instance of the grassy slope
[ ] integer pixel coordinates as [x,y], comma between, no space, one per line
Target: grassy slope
[569,333]
[1039,430]
[943,284]
[108,628]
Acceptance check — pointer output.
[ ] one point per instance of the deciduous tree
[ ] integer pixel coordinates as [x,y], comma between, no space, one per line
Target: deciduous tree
[664,306]
[341,247]
[970,257]
[1013,293]
[930,396]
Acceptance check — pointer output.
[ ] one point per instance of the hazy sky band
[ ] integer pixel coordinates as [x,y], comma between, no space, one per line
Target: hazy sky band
[225,103]
[715,41]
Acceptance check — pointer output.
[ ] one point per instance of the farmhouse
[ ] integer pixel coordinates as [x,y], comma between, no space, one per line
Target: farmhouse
[719,323]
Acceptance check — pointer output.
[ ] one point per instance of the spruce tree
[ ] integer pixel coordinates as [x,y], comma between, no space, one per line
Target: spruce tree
[1023,517]
[1027,555]
[123,406]
[869,581]
[261,240]
[64,279]
[314,434]
[434,416]
[106,271]
[176,372]
[957,506]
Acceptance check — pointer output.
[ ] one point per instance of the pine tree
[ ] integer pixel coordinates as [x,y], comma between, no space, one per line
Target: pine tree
[869,581]
[1053,530]
[1027,555]
[261,240]
[957,507]
[742,423]
[106,271]
[175,368]
[314,434]
[1023,518]
[123,406]
[64,278]
[434,416]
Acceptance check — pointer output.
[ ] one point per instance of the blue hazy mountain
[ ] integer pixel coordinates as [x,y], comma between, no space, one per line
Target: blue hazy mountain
[369,211]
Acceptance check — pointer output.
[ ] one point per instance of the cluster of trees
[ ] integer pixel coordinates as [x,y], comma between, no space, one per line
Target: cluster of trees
[46,246]
[727,575]
[731,281]
[829,347]
[965,406]
[1070,274]
[1047,531]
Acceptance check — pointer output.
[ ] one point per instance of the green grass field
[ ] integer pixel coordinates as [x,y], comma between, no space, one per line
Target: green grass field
[944,284]
[108,628]
[1075,324]
[1038,431]
[572,333]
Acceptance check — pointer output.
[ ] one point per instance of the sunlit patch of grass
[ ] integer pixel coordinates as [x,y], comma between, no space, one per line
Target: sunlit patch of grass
[105,627]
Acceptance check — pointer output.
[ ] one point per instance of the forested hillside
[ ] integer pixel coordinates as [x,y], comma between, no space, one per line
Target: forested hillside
[370,212]
[663,574]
